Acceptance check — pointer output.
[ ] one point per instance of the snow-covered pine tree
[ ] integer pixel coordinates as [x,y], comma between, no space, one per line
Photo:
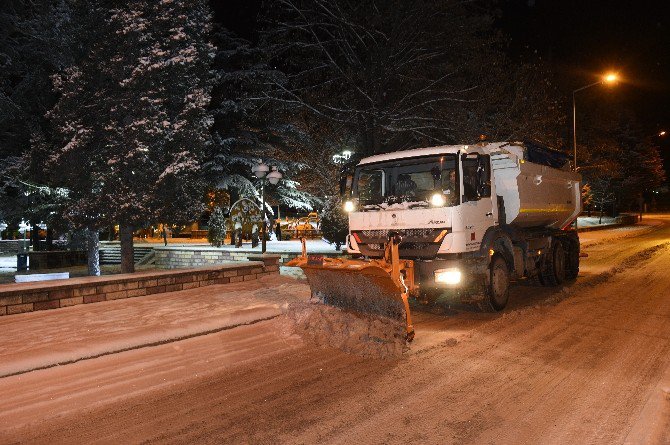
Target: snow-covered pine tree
[249,127]
[334,222]
[29,55]
[132,114]
[217,228]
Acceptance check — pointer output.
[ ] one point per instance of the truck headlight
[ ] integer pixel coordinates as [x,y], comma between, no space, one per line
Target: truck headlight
[349,206]
[437,200]
[448,276]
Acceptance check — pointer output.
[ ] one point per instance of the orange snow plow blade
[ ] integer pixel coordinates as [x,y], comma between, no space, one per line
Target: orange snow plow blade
[377,287]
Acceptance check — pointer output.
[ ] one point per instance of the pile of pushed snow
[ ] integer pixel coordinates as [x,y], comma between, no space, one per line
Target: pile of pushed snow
[360,334]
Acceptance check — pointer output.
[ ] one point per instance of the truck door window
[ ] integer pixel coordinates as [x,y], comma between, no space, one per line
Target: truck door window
[476,177]
[484,176]
[470,177]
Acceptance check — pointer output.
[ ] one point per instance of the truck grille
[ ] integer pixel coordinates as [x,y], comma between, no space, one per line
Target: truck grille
[412,233]
[416,243]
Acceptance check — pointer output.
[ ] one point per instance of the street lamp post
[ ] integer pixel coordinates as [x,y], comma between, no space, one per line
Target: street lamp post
[24,228]
[261,170]
[610,79]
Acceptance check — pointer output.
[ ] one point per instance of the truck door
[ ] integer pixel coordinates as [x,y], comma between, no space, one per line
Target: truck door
[477,206]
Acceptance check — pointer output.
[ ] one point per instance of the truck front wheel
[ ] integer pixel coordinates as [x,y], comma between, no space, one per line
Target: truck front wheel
[498,292]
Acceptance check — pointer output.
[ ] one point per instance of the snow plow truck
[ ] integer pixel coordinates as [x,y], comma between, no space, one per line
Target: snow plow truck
[451,222]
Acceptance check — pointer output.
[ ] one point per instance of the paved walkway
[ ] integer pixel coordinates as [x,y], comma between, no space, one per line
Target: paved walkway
[44,339]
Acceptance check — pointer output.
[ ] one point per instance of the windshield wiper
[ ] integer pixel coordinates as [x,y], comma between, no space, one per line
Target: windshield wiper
[372,207]
[425,205]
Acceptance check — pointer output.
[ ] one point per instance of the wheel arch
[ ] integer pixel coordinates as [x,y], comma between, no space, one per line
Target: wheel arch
[497,240]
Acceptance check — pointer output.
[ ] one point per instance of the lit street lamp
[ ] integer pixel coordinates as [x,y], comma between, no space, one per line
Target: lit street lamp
[261,170]
[609,79]
[343,157]
[662,133]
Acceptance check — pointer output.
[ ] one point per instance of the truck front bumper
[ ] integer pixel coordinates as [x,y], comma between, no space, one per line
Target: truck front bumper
[437,279]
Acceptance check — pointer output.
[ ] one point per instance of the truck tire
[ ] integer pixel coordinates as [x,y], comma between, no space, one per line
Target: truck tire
[553,270]
[572,261]
[498,291]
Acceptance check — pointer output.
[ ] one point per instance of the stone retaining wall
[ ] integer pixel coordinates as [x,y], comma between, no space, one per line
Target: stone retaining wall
[9,246]
[55,259]
[184,256]
[26,297]
[12,246]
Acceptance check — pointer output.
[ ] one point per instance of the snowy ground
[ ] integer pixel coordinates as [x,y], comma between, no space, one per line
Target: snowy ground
[83,331]
[588,362]
[7,263]
[592,221]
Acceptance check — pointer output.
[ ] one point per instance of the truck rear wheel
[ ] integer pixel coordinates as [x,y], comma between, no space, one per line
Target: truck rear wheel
[572,261]
[553,270]
[498,292]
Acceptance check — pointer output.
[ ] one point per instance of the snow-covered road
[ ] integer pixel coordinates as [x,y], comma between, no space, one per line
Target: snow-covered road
[585,363]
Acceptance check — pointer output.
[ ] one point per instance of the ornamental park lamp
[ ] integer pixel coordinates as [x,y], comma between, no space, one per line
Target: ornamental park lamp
[24,228]
[261,170]
[607,79]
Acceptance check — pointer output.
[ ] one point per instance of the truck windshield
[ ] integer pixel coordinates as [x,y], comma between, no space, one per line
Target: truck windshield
[407,180]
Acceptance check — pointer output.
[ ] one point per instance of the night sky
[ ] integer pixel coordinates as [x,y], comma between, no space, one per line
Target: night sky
[581,39]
